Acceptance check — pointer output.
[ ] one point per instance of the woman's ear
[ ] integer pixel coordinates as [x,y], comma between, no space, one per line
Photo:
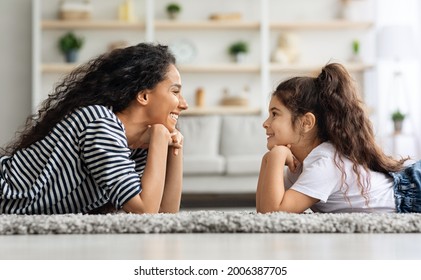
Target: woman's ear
[142,97]
[308,122]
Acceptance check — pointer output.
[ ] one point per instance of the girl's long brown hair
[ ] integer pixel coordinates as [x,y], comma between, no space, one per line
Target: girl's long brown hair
[341,119]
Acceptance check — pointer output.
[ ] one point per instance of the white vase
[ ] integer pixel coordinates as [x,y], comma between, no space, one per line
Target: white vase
[355,10]
[239,57]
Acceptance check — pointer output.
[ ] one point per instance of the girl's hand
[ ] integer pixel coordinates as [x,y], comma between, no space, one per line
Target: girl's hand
[176,141]
[285,152]
[292,162]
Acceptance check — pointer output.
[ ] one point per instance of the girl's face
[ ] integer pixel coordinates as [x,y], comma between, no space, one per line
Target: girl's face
[278,125]
[166,100]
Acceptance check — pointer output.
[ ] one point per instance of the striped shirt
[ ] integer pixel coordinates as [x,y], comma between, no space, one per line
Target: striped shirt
[82,164]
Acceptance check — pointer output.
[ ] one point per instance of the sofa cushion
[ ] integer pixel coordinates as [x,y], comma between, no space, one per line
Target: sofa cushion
[202,164]
[243,135]
[201,134]
[243,164]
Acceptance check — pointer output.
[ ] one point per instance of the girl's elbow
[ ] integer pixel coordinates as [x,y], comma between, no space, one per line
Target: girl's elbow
[265,210]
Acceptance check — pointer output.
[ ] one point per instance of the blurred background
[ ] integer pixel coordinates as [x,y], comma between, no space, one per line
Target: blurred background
[378,41]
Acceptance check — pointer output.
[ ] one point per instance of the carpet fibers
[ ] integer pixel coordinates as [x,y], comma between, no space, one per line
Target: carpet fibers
[211,222]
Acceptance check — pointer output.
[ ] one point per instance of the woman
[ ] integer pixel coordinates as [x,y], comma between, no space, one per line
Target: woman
[106,137]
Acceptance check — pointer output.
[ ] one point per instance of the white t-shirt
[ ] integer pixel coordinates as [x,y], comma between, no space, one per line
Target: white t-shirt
[320,178]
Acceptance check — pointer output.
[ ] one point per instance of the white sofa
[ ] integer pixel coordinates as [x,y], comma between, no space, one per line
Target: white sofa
[222,154]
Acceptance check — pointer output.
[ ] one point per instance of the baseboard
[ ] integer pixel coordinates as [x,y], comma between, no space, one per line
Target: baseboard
[210,200]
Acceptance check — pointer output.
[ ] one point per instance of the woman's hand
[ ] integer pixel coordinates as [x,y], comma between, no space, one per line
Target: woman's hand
[176,141]
[158,130]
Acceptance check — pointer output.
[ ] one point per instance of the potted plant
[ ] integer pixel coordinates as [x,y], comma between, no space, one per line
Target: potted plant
[173,10]
[356,47]
[398,118]
[69,45]
[238,50]
[355,51]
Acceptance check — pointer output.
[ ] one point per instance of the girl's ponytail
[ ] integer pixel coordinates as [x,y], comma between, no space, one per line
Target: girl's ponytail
[344,118]
[347,125]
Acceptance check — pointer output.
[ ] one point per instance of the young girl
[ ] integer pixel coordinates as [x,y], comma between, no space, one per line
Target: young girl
[318,128]
[106,138]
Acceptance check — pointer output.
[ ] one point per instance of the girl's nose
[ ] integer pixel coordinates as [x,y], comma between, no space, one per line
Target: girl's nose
[265,124]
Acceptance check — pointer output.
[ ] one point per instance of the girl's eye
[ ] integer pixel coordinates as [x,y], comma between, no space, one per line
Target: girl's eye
[176,92]
[274,114]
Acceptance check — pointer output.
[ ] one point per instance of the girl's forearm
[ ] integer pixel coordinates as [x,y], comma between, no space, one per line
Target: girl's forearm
[262,175]
[271,189]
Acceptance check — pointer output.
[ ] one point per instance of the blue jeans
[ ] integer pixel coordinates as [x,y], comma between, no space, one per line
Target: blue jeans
[407,187]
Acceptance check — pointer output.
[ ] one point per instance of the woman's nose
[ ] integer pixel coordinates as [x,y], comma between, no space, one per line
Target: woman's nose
[183,103]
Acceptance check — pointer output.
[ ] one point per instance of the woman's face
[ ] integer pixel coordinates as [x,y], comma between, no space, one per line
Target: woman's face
[278,125]
[166,100]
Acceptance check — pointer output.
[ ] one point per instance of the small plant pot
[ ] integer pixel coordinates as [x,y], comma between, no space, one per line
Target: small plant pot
[71,56]
[173,15]
[239,57]
[397,125]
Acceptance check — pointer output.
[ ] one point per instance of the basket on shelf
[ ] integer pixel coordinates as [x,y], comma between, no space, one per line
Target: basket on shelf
[73,10]
[234,101]
[74,15]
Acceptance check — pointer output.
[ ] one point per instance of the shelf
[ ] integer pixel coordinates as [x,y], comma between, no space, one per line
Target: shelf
[351,67]
[168,24]
[216,68]
[90,24]
[220,24]
[212,68]
[58,67]
[224,67]
[221,110]
[320,25]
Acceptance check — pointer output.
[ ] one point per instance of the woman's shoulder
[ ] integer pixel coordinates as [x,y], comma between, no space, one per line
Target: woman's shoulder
[93,113]
[96,111]
[92,116]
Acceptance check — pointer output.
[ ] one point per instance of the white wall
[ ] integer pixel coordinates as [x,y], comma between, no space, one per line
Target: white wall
[15,66]
[404,93]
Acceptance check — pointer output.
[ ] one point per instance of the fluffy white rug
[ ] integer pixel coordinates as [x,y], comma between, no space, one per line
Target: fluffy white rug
[210,222]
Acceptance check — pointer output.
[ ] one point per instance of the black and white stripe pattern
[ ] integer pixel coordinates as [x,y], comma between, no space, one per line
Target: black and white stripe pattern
[82,164]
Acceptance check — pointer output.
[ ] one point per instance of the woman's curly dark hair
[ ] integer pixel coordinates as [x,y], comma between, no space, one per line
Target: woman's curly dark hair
[112,79]
[341,119]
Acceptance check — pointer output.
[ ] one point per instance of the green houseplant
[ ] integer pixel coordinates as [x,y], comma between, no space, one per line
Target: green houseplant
[356,57]
[398,117]
[173,10]
[238,50]
[356,47]
[69,45]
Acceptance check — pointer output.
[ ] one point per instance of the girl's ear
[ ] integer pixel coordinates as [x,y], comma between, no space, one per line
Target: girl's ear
[142,97]
[308,122]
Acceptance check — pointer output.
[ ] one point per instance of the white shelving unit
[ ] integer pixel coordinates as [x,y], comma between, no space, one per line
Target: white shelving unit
[211,67]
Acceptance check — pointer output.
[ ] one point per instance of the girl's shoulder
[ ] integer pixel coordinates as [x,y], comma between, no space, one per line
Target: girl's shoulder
[324,150]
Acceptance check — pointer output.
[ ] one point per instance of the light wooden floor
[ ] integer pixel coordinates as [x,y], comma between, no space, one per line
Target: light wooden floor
[212,246]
